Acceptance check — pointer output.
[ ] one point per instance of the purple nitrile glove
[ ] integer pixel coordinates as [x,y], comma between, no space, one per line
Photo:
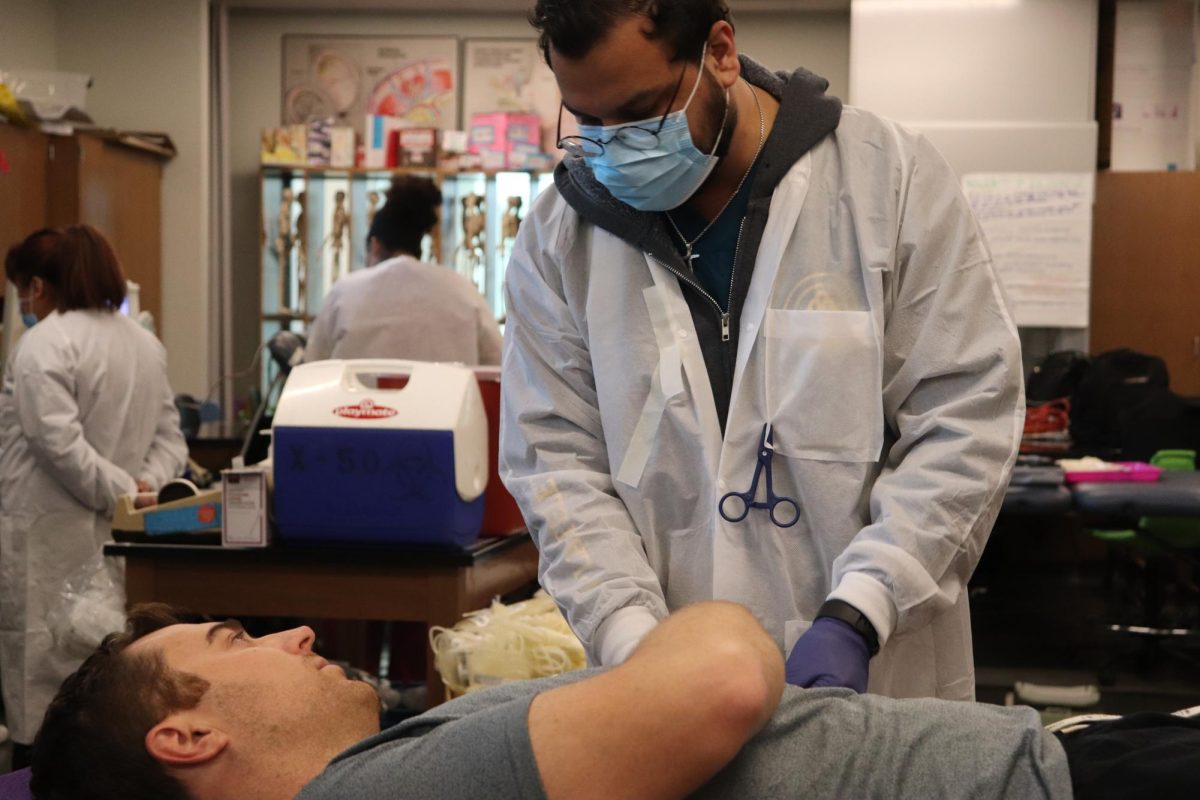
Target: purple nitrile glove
[830,653]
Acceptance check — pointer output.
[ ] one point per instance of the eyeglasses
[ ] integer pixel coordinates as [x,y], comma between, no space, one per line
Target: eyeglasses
[634,136]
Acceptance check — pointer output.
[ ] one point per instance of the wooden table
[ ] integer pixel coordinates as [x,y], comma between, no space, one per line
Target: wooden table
[435,586]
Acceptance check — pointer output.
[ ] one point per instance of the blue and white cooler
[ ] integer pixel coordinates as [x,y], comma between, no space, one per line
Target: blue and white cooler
[357,463]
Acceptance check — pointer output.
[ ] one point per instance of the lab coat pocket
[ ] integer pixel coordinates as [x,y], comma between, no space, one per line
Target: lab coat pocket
[824,384]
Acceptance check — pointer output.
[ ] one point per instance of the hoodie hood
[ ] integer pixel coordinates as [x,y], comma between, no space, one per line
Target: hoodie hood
[806,116]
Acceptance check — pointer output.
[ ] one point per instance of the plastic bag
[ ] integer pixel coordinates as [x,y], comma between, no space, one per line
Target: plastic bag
[506,643]
[91,606]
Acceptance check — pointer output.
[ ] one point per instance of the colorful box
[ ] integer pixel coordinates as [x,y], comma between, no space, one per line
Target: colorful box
[341,147]
[461,162]
[319,140]
[416,147]
[495,137]
[532,161]
[378,135]
[455,141]
[286,146]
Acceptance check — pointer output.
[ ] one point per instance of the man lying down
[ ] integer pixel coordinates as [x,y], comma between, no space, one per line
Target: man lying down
[172,710]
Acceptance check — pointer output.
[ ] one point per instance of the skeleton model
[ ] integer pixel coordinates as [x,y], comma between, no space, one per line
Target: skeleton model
[470,250]
[337,234]
[372,207]
[512,220]
[285,239]
[509,225]
[302,254]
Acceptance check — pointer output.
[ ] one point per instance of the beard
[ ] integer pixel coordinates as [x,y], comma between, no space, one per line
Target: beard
[713,104]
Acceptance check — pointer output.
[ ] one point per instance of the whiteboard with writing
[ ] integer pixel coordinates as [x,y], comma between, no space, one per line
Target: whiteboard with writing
[1039,229]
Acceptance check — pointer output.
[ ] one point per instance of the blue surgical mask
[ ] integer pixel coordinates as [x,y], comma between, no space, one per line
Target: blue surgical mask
[27,316]
[662,177]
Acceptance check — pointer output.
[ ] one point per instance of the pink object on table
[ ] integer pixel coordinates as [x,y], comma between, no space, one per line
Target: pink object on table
[1130,471]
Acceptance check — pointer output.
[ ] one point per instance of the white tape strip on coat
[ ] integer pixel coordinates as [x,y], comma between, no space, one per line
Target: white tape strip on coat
[665,384]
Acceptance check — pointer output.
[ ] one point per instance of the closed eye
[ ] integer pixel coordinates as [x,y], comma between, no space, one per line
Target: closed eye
[232,626]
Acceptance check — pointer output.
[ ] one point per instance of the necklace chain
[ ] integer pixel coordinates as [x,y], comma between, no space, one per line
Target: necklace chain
[762,130]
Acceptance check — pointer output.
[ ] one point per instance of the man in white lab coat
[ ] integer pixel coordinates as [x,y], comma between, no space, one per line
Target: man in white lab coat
[756,351]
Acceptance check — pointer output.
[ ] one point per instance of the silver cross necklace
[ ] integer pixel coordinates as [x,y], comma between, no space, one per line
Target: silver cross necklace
[688,255]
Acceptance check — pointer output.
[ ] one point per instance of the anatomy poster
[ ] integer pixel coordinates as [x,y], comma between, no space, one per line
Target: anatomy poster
[348,77]
[510,75]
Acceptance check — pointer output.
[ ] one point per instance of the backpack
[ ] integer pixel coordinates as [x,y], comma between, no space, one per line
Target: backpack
[1056,376]
[1123,406]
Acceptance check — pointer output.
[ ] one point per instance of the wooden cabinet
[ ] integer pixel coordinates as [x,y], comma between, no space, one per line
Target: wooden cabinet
[1146,269]
[118,190]
[22,185]
[63,180]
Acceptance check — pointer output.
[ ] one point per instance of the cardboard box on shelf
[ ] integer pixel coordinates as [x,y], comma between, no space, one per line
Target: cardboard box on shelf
[376,151]
[461,162]
[455,141]
[492,160]
[530,160]
[284,146]
[318,142]
[495,137]
[341,147]
[416,147]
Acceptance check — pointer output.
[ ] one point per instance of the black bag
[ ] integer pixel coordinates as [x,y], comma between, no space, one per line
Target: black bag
[1124,407]
[1057,375]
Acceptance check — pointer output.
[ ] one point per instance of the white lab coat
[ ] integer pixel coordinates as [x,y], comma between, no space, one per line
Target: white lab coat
[405,308]
[85,413]
[874,337]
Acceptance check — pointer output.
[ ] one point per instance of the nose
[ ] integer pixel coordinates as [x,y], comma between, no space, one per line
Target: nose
[297,640]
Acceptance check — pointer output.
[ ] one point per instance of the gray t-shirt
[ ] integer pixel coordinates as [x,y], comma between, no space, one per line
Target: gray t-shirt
[821,743]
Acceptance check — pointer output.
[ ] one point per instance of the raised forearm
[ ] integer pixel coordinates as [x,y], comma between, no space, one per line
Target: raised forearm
[696,689]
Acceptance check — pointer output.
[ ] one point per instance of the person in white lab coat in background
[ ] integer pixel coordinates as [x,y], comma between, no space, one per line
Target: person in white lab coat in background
[86,415]
[403,307]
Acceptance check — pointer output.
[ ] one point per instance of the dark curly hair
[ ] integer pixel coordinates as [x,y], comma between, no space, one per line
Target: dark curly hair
[574,27]
[409,213]
[91,745]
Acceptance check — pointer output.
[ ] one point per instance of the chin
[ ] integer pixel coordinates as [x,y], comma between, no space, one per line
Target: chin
[355,706]
[364,693]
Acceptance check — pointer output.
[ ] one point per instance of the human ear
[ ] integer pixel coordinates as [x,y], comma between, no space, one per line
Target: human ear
[723,51]
[180,741]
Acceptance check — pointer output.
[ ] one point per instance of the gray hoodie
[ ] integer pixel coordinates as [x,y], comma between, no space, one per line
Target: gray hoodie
[806,116]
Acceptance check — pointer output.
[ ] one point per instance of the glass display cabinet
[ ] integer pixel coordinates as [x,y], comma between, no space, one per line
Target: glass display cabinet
[314,223]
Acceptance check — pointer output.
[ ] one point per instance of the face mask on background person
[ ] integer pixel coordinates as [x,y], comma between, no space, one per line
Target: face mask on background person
[27,316]
[648,171]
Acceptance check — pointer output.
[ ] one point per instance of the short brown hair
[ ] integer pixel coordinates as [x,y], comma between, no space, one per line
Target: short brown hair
[91,745]
[77,261]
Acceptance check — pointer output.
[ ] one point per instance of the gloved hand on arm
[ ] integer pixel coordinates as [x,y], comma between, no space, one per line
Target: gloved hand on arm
[830,653]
